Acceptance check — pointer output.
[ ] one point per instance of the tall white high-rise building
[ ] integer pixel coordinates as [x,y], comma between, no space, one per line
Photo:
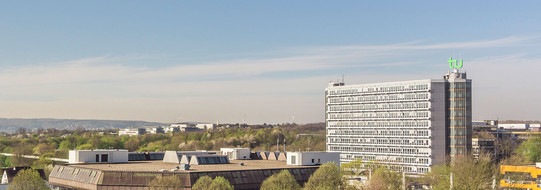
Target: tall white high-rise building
[408,125]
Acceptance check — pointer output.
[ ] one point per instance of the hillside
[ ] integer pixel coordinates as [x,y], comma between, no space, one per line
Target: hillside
[11,125]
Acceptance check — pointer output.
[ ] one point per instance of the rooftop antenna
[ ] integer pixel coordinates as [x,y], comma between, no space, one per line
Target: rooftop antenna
[278,144]
[343,79]
[284,144]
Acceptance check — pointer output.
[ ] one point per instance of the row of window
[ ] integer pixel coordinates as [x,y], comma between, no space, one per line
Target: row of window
[386,106]
[379,124]
[333,124]
[381,115]
[399,88]
[386,133]
[382,97]
[379,150]
[392,163]
[375,141]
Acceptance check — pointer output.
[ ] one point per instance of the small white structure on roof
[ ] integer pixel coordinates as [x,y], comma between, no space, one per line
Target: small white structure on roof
[312,158]
[236,153]
[98,156]
[177,156]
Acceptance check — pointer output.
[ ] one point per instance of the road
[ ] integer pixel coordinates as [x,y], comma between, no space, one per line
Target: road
[37,157]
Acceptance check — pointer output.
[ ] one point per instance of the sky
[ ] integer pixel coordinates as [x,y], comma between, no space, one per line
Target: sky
[256,61]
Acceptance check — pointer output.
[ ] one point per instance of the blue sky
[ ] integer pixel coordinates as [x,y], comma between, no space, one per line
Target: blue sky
[262,61]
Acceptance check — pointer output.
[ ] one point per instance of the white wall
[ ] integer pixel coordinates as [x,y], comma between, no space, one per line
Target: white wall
[312,158]
[89,156]
[236,153]
[514,126]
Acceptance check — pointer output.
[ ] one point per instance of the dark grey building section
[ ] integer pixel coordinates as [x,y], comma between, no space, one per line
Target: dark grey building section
[458,113]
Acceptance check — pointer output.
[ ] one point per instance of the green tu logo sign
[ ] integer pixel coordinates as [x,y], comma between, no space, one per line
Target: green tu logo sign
[453,63]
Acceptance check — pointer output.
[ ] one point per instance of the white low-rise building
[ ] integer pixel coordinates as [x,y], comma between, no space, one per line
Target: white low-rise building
[98,156]
[514,126]
[236,153]
[132,131]
[205,126]
[312,158]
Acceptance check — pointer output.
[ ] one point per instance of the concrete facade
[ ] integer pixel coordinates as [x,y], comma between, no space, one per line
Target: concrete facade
[408,125]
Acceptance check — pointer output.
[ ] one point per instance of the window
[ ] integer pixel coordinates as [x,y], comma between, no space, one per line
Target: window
[293,160]
[104,158]
[312,161]
[97,158]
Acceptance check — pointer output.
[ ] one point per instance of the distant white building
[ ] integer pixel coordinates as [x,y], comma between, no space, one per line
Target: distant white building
[312,158]
[98,156]
[535,127]
[236,153]
[171,129]
[178,127]
[155,130]
[515,126]
[205,126]
[132,131]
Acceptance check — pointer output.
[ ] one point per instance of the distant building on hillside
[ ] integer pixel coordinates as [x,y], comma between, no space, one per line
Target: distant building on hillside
[132,131]
[155,130]
[514,126]
[205,126]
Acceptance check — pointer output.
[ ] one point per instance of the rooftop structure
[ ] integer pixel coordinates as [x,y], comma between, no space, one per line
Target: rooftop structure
[236,153]
[176,156]
[312,158]
[98,156]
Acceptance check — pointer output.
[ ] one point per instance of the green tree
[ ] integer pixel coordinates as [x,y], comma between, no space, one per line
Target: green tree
[531,149]
[85,147]
[202,183]
[438,177]
[326,177]
[468,173]
[383,178]
[283,180]
[165,183]
[206,182]
[220,183]
[354,167]
[27,179]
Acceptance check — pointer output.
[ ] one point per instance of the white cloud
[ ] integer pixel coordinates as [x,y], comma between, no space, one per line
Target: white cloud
[106,87]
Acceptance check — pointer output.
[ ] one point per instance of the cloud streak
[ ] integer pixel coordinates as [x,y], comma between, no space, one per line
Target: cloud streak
[109,87]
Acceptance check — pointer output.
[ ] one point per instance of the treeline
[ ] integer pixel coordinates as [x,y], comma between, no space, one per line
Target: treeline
[57,143]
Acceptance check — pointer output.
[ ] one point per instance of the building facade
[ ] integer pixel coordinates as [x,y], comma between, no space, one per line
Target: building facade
[408,125]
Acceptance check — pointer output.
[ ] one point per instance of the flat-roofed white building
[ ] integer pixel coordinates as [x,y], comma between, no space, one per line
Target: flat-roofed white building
[408,125]
[98,156]
[514,126]
[312,158]
[236,153]
[205,126]
[132,131]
